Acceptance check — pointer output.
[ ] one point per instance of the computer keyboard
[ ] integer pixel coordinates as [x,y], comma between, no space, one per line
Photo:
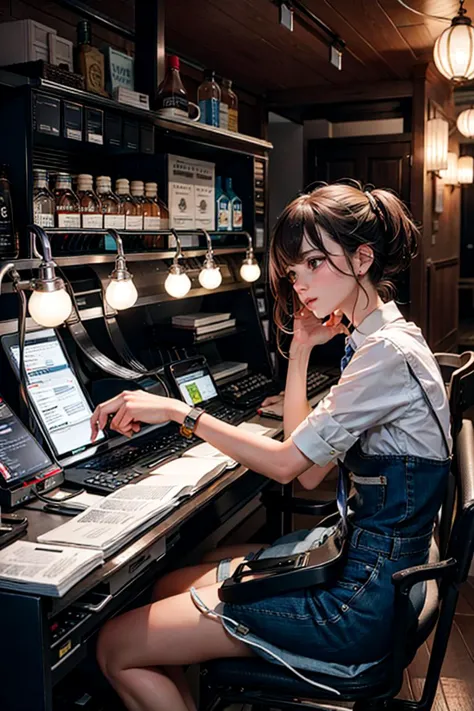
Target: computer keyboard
[109,471]
[226,413]
[249,391]
[316,381]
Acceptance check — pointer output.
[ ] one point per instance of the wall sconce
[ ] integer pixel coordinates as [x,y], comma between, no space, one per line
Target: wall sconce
[177,282]
[437,137]
[250,270]
[210,276]
[465,170]
[453,52]
[121,293]
[465,123]
[450,175]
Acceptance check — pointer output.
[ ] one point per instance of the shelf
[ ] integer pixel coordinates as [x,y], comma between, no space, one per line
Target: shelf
[191,130]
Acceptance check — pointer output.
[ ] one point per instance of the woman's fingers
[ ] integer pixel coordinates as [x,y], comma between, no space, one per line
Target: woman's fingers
[101,414]
[272,400]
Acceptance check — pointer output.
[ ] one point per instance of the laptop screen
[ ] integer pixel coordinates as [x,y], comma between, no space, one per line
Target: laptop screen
[21,457]
[59,400]
[196,385]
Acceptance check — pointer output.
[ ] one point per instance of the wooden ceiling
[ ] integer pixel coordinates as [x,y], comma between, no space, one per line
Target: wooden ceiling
[243,39]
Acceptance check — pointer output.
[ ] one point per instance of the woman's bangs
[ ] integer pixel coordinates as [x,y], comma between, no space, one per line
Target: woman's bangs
[295,223]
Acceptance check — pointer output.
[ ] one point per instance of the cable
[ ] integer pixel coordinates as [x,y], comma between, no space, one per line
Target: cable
[50,500]
[425,14]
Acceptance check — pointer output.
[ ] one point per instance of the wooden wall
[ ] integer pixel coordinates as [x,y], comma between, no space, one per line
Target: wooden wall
[252,116]
[436,270]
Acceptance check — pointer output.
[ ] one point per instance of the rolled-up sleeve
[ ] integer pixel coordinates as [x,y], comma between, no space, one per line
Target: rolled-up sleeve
[372,391]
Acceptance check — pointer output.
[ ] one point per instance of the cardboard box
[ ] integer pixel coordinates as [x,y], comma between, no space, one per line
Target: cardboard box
[24,41]
[191,196]
[204,195]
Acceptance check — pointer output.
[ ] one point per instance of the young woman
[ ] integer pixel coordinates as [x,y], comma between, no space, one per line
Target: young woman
[332,254]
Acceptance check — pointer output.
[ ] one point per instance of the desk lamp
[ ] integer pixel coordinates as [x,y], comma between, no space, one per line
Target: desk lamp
[249,271]
[210,276]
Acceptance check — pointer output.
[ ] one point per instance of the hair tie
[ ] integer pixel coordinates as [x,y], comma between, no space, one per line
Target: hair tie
[374,204]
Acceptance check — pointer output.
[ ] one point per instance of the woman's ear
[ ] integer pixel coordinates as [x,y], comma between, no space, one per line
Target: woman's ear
[364,258]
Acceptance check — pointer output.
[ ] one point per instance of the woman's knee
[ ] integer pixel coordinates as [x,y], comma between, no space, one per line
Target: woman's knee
[108,651]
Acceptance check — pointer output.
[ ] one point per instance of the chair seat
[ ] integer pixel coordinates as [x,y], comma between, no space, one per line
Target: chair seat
[259,676]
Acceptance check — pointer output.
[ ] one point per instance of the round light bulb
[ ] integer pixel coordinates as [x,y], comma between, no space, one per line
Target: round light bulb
[177,285]
[250,271]
[50,308]
[121,294]
[210,277]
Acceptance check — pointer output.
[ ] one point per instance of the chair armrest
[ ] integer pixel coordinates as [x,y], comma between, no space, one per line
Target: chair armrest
[405,579]
[295,504]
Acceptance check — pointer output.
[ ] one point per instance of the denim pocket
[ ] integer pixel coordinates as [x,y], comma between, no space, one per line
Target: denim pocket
[370,495]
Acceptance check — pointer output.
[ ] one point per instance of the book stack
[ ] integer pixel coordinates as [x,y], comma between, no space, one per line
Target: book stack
[202,324]
[45,570]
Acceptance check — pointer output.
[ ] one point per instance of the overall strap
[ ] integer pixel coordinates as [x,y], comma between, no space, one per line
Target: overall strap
[431,408]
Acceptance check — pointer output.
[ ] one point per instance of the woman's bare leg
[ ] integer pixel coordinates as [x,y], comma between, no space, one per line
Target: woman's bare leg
[168,632]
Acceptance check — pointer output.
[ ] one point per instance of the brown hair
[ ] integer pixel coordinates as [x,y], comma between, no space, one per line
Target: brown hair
[351,217]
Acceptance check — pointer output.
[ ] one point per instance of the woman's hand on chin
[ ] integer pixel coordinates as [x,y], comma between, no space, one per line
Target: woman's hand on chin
[309,330]
[132,408]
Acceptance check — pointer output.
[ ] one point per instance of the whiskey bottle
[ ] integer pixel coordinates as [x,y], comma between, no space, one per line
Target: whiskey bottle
[43,200]
[67,203]
[128,206]
[89,60]
[229,98]
[89,203]
[8,237]
[137,190]
[110,204]
[152,217]
[209,99]
[172,97]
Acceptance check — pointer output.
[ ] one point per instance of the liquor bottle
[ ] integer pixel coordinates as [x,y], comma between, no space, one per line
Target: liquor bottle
[229,98]
[89,203]
[164,214]
[44,207]
[137,191]
[67,203]
[8,237]
[209,99]
[110,204]
[152,217]
[128,206]
[235,206]
[223,210]
[172,97]
[89,60]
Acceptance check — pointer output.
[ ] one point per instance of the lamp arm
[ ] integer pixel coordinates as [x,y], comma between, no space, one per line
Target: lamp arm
[179,252]
[45,243]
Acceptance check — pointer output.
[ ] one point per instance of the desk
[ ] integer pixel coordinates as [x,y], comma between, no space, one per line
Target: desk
[30,664]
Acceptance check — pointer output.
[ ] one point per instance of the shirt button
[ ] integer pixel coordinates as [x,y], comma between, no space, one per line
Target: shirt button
[333,451]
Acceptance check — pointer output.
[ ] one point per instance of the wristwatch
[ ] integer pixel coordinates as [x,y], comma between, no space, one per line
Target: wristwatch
[190,421]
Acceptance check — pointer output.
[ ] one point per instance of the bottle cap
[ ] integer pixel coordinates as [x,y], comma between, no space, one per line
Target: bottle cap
[173,61]
[85,181]
[137,187]
[103,181]
[84,32]
[122,186]
[227,82]
[40,173]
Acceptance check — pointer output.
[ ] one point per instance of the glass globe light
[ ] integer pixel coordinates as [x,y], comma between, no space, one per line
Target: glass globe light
[50,308]
[121,293]
[250,271]
[177,282]
[465,123]
[210,276]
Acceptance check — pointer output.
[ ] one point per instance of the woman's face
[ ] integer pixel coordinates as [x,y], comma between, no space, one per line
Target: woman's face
[323,285]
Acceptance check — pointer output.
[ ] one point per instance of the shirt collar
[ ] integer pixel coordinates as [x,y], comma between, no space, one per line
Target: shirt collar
[387,313]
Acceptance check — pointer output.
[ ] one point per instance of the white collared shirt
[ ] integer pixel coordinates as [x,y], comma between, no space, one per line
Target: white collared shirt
[377,399]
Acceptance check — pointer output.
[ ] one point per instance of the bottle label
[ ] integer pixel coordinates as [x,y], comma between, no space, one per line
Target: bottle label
[237,216]
[133,222]
[223,214]
[152,223]
[7,238]
[233,120]
[43,219]
[91,221]
[72,220]
[209,111]
[165,223]
[223,116]
[114,222]
[174,106]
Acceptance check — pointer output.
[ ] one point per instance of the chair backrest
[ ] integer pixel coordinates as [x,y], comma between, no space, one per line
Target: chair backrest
[461,541]
[454,368]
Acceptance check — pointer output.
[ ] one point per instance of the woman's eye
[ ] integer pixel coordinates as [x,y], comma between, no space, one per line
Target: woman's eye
[314,263]
[291,276]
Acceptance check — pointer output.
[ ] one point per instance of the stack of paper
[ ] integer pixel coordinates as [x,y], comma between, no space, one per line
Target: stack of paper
[45,570]
[117,518]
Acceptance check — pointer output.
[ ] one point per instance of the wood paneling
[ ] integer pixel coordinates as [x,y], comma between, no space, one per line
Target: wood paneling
[443,304]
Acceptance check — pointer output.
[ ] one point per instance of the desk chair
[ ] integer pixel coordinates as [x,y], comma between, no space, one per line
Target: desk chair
[269,686]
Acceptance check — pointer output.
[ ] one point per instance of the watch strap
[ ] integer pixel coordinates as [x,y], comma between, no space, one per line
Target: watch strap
[190,421]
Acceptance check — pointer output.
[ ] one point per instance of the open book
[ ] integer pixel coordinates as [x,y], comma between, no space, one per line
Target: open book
[126,513]
[45,570]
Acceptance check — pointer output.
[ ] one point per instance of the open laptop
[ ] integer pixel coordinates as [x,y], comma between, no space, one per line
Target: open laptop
[62,410]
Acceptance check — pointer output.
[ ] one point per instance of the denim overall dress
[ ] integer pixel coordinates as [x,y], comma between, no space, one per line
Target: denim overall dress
[345,628]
